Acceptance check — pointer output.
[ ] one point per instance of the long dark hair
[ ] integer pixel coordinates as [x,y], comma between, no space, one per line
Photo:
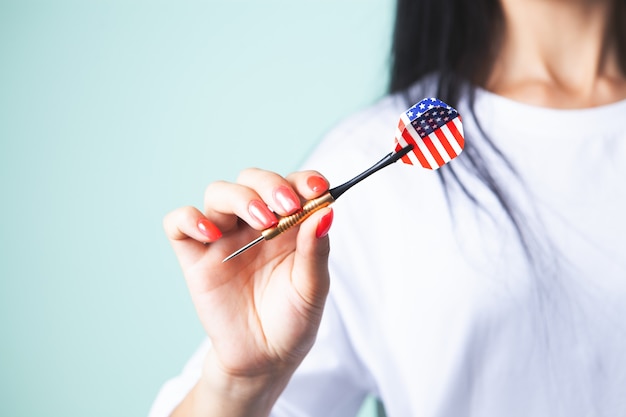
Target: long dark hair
[458,41]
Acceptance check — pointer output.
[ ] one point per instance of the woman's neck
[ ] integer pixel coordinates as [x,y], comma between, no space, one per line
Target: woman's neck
[558,53]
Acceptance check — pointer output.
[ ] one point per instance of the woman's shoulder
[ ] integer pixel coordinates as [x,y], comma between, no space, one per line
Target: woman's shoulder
[360,138]
[377,119]
[366,124]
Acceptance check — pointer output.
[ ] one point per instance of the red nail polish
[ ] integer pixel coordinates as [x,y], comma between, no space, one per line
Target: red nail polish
[324,224]
[259,211]
[316,183]
[286,199]
[209,230]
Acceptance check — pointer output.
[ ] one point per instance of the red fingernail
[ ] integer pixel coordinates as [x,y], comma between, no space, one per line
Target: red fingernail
[316,183]
[259,211]
[209,230]
[286,199]
[324,225]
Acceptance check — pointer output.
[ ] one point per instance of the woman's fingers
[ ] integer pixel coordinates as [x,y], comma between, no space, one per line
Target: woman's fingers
[284,195]
[259,197]
[308,184]
[225,202]
[273,189]
[189,223]
[188,231]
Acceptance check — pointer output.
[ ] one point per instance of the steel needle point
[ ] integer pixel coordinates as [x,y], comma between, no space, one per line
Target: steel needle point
[245,248]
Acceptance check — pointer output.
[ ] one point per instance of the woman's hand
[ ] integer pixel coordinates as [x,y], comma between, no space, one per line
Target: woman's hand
[261,309]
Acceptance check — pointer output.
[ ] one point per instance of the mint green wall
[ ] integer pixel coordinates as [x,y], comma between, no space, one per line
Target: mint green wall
[112,113]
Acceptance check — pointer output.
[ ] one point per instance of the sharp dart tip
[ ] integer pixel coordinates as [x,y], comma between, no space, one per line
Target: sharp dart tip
[243,249]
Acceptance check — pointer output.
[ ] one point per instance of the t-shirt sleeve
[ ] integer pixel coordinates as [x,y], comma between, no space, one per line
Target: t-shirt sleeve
[173,391]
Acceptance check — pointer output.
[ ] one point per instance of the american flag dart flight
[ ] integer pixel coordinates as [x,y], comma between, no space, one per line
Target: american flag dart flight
[429,134]
[434,129]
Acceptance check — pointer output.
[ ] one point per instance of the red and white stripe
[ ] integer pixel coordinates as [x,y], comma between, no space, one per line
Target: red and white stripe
[434,150]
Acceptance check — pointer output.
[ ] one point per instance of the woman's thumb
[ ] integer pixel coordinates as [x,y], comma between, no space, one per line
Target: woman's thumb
[310,275]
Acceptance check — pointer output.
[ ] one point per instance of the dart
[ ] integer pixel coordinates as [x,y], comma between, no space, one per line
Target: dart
[429,134]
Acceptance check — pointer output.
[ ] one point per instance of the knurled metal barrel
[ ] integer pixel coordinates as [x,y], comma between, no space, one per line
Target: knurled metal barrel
[287,222]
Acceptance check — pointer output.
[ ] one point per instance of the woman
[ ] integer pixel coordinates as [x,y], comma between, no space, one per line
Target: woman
[493,287]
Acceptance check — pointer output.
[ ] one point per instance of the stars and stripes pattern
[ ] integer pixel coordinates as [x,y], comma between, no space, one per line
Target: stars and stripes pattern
[434,129]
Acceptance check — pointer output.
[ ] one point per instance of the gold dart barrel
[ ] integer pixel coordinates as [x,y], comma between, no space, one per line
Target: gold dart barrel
[288,222]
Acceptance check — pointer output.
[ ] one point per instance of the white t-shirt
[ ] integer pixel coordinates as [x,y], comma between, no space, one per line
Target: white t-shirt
[433,306]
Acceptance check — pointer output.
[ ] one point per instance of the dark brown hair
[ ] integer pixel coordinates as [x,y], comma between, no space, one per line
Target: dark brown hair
[457,41]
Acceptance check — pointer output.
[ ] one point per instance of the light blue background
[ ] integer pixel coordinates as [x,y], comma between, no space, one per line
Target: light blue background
[113,113]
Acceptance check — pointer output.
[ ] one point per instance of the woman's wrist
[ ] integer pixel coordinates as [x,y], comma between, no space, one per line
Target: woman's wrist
[241,394]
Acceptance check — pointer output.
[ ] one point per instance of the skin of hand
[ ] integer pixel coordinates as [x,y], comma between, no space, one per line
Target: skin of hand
[261,309]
